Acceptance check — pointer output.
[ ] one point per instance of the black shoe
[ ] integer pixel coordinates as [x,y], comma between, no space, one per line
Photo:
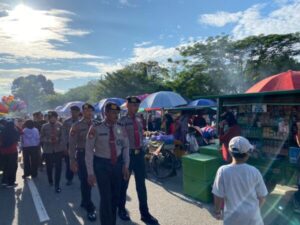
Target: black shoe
[123,215]
[91,216]
[149,219]
[69,182]
[58,190]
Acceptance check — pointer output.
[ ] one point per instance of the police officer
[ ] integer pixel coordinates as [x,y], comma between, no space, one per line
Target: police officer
[53,151]
[134,129]
[108,164]
[77,141]
[67,124]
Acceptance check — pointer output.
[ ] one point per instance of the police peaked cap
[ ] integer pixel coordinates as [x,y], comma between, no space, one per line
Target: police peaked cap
[52,114]
[88,106]
[133,99]
[75,108]
[111,106]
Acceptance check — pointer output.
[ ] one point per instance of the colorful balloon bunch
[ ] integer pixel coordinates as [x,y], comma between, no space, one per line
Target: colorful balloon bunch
[10,104]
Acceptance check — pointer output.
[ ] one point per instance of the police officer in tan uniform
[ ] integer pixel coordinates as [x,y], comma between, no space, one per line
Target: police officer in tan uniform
[53,150]
[107,160]
[134,129]
[67,124]
[77,141]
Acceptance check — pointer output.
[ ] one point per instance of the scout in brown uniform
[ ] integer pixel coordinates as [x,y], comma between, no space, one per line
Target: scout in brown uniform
[53,151]
[134,129]
[107,160]
[77,140]
[67,124]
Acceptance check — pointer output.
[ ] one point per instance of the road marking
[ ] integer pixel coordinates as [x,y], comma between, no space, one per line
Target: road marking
[38,203]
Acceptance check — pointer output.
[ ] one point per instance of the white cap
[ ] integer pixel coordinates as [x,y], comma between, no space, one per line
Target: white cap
[240,145]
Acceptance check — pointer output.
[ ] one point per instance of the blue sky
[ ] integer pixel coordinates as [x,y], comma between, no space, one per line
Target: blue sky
[74,41]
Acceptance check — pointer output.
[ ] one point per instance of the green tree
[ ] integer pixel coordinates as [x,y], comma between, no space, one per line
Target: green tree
[32,89]
[134,79]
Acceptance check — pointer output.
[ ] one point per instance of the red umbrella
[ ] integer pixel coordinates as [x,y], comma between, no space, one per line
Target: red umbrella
[289,80]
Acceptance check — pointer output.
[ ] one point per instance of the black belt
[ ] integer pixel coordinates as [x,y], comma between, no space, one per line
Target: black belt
[106,160]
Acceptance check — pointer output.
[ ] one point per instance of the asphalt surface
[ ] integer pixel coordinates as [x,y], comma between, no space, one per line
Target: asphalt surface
[165,198]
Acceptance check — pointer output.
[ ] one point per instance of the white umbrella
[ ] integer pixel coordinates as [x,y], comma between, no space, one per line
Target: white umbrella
[162,99]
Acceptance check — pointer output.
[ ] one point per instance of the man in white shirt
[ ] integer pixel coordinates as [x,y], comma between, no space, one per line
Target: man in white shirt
[240,186]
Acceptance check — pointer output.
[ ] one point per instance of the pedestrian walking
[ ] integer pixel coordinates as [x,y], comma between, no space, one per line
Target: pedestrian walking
[134,129]
[67,124]
[240,187]
[77,142]
[9,150]
[107,160]
[53,150]
[30,145]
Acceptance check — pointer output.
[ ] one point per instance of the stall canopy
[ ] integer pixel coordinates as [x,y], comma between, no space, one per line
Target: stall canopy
[162,99]
[100,105]
[289,80]
[203,102]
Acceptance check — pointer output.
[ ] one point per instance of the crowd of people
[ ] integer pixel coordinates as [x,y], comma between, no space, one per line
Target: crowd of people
[107,152]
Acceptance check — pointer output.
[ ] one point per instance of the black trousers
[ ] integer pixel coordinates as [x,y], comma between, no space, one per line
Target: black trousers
[69,174]
[109,178]
[31,160]
[54,160]
[10,166]
[86,189]
[137,165]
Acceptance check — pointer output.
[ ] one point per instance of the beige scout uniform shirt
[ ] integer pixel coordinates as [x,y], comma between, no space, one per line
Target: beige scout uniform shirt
[127,123]
[98,144]
[51,138]
[66,127]
[77,137]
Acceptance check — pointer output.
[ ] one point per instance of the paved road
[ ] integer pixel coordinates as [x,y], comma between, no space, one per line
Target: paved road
[166,202]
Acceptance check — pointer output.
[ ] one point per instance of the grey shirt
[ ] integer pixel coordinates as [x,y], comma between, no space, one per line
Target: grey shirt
[51,137]
[77,137]
[97,144]
[127,123]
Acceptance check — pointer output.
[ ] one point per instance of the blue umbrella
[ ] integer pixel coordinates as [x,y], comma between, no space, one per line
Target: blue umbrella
[99,107]
[203,102]
[162,99]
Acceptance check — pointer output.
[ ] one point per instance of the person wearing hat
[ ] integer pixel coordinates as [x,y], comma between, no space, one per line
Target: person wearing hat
[240,187]
[77,142]
[107,161]
[51,133]
[134,129]
[67,124]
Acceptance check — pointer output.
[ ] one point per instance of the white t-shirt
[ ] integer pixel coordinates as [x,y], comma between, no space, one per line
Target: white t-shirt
[240,185]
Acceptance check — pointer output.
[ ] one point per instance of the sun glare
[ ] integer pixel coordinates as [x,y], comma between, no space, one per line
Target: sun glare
[27,25]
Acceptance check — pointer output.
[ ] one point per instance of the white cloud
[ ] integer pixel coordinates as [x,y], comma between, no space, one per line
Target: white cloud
[219,19]
[107,67]
[144,43]
[154,53]
[284,19]
[25,32]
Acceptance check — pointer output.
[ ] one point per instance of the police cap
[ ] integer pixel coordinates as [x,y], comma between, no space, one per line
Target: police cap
[52,114]
[75,108]
[87,106]
[111,106]
[133,99]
